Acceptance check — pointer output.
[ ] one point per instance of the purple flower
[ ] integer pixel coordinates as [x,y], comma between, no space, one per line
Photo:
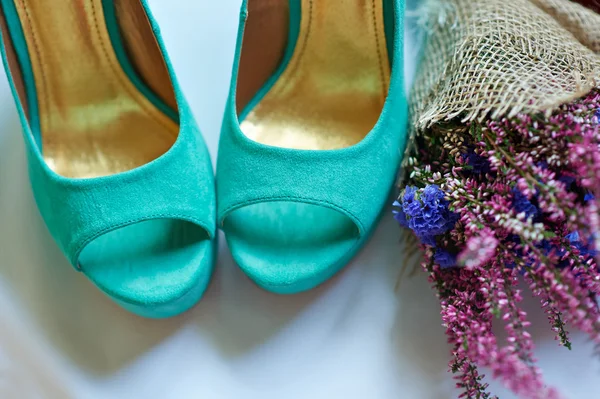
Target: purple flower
[426,213]
[480,165]
[444,258]
[399,214]
[575,241]
[410,206]
[567,180]
[560,251]
[478,250]
[522,204]
[573,237]
[410,203]
[437,215]
[495,173]
[427,240]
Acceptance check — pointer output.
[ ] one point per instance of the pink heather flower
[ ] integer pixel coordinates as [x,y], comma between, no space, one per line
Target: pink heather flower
[478,250]
[524,193]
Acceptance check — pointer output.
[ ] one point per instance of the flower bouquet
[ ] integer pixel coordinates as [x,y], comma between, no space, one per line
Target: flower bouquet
[501,180]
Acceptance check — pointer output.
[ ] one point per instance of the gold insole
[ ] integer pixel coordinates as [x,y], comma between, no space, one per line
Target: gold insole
[93,120]
[334,87]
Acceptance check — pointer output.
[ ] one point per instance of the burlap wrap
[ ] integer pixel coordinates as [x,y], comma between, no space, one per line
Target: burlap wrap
[493,58]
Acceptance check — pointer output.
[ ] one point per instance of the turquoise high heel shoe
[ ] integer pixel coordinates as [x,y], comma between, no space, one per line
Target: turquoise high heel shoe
[313,133]
[118,168]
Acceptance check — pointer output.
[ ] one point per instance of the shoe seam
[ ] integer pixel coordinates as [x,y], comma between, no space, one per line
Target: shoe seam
[354,218]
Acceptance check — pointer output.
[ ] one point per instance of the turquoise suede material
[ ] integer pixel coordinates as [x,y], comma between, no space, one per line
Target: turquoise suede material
[353,181]
[177,187]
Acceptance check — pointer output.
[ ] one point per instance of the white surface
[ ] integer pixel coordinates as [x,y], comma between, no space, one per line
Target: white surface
[354,337]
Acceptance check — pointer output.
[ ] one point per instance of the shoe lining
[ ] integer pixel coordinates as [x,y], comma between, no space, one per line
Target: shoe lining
[93,120]
[332,91]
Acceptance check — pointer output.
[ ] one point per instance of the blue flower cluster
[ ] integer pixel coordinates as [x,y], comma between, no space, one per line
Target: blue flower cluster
[426,212]
[521,203]
[567,180]
[575,241]
[480,165]
[548,247]
[444,258]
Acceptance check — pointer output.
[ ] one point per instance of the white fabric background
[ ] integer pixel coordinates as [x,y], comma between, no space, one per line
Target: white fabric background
[354,337]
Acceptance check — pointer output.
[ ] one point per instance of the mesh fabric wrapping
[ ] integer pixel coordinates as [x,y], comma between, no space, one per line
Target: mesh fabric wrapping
[494,58]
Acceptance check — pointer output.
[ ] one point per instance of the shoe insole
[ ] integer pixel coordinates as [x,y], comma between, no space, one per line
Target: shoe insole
[332,90]
[329,95]
[93,120]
